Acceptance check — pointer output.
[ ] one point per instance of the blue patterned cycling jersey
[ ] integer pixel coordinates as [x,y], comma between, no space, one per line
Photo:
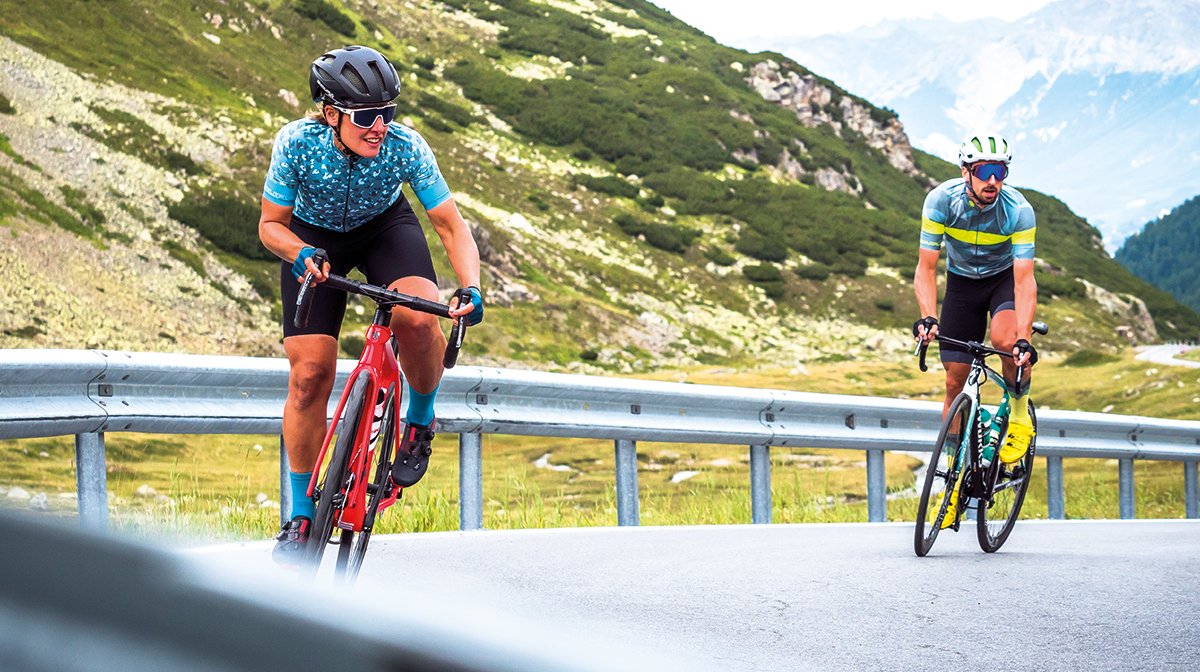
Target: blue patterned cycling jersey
[329,190]
[979,242]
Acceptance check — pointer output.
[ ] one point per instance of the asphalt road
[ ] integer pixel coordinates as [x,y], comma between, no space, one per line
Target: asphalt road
[1165,355]
[1059,595]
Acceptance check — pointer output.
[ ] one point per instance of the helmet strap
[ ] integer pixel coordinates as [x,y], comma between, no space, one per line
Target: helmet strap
[341,144]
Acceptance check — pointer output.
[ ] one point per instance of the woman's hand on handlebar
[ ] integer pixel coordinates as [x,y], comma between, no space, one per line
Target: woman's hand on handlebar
[468,302]
[311,260]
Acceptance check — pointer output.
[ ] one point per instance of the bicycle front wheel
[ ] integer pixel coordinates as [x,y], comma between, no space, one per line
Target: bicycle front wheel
[1009,484]
[337,477]
[941,474]
[349,567]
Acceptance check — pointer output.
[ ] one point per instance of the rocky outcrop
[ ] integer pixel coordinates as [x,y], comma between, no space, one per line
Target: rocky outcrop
[1136,322]
[814,105]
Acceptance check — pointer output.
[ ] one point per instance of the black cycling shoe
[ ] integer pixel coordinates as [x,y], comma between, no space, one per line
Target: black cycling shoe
[412,458]
[290,543]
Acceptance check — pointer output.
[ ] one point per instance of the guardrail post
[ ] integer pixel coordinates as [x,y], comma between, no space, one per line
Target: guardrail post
[1191,493]
[1054,488]
[876,487]
[1125,478]
[285,485]
[627,483]
[760,485]
[470,481]
[91,480]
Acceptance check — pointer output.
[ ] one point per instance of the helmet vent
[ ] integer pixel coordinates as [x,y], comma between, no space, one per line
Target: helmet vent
[379,78]
[355,80]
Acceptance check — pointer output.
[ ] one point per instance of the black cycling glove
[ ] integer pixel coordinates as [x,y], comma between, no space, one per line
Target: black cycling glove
[1024,346]
[929,322]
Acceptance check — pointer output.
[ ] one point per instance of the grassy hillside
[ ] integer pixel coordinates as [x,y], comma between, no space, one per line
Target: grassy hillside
[643,201]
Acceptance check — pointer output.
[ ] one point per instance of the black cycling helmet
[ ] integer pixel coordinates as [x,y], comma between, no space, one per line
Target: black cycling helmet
[353,76]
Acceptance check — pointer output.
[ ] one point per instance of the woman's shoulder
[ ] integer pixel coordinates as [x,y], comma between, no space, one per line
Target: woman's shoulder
[405,134]
[301,131]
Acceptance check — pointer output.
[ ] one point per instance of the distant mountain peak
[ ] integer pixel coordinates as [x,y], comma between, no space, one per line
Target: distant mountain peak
[1110,86]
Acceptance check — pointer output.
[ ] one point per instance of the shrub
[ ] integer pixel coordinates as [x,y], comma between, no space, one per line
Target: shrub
[762,273]
[766,276]
[230,222]
[331,16]
[663,236]
[719,256]
[614,186]
[814,271]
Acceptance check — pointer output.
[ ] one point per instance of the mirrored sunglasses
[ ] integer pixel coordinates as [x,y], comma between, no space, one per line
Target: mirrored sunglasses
[986,171]
[364,117]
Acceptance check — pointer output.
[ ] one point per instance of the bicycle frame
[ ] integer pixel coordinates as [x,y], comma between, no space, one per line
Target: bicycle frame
[378,360]
[972,388]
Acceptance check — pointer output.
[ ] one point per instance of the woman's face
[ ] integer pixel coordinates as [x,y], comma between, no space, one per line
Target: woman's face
[364,142]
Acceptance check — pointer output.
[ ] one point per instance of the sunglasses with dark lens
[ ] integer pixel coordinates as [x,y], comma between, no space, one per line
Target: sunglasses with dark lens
[986,171]
[364,117]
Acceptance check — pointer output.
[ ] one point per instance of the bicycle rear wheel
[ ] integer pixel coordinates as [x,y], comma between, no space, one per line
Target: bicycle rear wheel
[1009,482]
[333,487]
[349,568]
[941,474]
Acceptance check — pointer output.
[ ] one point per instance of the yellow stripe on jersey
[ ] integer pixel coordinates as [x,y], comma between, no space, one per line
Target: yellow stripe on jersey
[932,227]
[977,237]
[1024,237]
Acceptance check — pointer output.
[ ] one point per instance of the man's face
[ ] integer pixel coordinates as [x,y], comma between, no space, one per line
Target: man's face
[986,178]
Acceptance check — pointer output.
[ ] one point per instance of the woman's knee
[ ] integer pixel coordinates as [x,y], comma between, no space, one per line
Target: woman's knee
[310,382]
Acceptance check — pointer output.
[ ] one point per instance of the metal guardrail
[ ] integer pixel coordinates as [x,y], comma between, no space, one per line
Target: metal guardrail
[88,393]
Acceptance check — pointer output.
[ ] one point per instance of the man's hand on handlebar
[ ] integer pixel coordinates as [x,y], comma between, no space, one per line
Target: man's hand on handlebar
[311,260]
[1024,353]
[925,329]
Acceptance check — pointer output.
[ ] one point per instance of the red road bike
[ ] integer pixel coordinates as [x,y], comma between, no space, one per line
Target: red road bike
[356,486]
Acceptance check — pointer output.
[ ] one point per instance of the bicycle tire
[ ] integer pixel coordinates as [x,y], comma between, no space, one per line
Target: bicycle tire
[928,527]
[382,482]
[338,472]
[996,520]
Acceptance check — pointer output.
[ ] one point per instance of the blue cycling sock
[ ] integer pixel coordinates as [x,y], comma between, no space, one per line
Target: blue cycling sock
[302,504]
[420,407]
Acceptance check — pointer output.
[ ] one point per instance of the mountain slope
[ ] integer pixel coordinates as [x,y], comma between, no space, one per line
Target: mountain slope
[1165,253]
[643,196]
[1099,97]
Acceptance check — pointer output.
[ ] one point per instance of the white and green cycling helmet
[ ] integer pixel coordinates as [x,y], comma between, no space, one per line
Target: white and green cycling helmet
[984,148]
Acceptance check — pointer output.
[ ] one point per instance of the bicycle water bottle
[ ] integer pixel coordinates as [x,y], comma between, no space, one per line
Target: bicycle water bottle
[993,432]
[376,421]
[986,420]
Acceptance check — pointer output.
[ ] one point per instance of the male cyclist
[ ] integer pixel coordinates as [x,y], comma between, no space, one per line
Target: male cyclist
[988,229]
[335,183]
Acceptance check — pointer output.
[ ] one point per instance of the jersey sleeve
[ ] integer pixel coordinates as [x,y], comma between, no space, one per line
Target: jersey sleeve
[1023,234]
[283,177]
[424,176]
[933,220]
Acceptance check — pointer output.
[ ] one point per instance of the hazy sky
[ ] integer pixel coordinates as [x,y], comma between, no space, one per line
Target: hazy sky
[719,19]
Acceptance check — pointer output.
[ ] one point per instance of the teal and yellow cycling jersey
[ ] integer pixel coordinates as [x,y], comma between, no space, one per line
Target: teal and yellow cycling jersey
[979,242]
[329,190]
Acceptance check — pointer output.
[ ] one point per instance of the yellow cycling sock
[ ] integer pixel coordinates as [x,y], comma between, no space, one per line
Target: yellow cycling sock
[1019,409]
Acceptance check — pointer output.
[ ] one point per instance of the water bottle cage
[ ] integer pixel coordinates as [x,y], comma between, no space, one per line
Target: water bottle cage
[377,420]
